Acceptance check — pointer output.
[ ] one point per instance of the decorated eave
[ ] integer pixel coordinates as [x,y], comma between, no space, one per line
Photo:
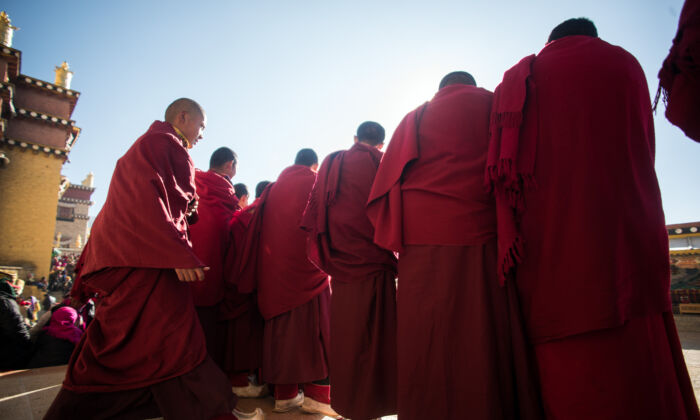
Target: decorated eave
[50,88]
[73,137]
[80,187]
[684,229]
[75,201]
[36,148]
[684,239]
[13,57]
[7,93]
[40,116]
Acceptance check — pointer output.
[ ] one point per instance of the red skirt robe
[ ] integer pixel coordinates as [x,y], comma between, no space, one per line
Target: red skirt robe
[461,348]
[581,221]
[145,342]
[363,304]
[293,294]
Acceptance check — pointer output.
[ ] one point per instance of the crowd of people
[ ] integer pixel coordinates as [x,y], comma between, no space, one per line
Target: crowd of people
[46,336]
[505,258]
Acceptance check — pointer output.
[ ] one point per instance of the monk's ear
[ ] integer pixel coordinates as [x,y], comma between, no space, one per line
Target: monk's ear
[380,146]
[314,167]
[182,117]
[356,140]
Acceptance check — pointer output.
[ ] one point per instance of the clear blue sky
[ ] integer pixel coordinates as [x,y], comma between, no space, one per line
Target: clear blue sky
[276,76]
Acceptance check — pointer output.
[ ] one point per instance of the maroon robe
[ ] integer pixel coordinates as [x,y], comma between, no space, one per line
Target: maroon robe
[210,240]
[679,77]
[293,293]
[460,342]
[363,304]
[580,219]
[145,347]
[210,235]
[244,324]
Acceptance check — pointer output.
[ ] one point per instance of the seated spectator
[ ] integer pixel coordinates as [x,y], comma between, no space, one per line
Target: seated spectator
[33,310]
[15,346]
[57,340]
[48,302]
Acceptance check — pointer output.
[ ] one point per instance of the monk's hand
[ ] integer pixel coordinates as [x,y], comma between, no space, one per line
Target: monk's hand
[191,274]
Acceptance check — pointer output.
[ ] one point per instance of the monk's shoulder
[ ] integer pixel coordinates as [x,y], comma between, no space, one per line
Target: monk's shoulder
[163,141]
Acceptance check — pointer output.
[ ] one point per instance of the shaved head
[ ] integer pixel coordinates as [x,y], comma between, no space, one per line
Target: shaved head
[371,133]
[457,78]
[189,120]
[575,26]
[306,157]
[183,105]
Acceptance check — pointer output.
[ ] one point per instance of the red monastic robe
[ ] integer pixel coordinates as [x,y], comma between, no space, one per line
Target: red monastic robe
[286,277]
[210,235]
[244,324]
[460,343]
[580,218]
[363,304]
[145,342]
[293,294]
[210,241]
[680,74]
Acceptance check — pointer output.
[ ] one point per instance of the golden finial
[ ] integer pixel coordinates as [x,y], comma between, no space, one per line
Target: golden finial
[89,180]
[6,30]
[63,75]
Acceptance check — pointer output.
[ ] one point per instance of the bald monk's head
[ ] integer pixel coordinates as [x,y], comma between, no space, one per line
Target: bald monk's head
[307,157]
[457,78]
[575,26]
[260,188]
[187,116]
[224,162]
[370,133]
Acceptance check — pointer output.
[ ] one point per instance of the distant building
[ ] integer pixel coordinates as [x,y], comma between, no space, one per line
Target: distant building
[36,135]
[684,243]
[72,215]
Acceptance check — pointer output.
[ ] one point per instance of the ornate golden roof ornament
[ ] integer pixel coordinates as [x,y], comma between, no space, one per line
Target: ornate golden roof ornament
[89,180]
[6,30]
[63,76]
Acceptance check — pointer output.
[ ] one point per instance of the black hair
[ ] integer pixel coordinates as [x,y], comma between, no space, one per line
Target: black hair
[240,190]
[371,133]
[306,157]
[221,156]
[260,188]
[574,26]
[458,78]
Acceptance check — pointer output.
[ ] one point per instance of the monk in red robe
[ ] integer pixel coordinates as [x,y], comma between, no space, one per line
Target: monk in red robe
[210,240]
[239,311]
[581,230]
[144,354]
[461,349]
[363,304]
[293,294]
[680,75]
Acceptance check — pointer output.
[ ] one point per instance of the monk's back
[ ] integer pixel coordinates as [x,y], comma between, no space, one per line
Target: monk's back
[349,229]
[444,198]
[597,187]
[286,277]
[285,241]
